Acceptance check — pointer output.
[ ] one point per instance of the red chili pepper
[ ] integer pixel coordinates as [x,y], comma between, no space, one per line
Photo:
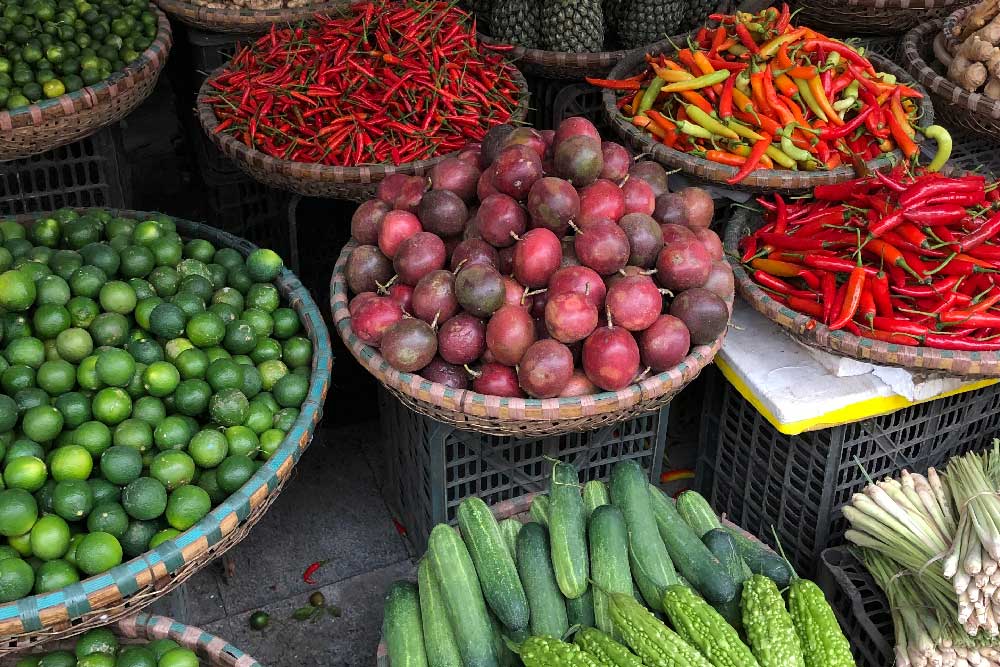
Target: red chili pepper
[839,47]
[829,291]
[985,232]
[896,337]
[786,270]
[928,189]
[726,99]
[891,255]
[756,153]
[311,570]
[811,308]
[880,292]
[780,286]
[784,18]
[852,298]
[830,133]
[834,264]
[933,216]
[746,39]
[866,306]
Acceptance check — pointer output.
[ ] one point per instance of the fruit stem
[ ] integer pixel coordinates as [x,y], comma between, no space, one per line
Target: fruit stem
[472,372]
[459,267]
[384,289]
[607,310]
[514,235]
[435,321]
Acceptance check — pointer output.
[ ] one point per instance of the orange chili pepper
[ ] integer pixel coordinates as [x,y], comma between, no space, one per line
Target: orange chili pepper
[816,88]
[782,59]
[725,157]
[645,123]
[896,109]
[785,85]
[802,72]
[667,125]
[705,67]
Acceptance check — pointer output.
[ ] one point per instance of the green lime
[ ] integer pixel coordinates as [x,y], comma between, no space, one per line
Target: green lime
[50,537]
[98,640]
[291,390]
[25,350]
[209,481]
[175,347]
[224,311]
[83,310]
[78,233]
[33,397]
[109,517]
[263,296]
[259,620]
[25,472]
[224,374]
[187,506]
[205,329]
[252,381]
[23,447]
[94,436]
[57,378]
[102,256]
[117,297]
[271,372]
[270,441]
[168,250]
[192,364]
[134,433]
[145,499]
[103,491]
[267,349]
[199,249]
[74,542]
[172,433]
[161,378]
[208,448]
[111,405]
[189,303]
[42,423]
[16,378]
[54,575]
[8,413]
[149,409]
[198,284]
[72,499]
[136,261]
[17,290]
[192,397]
[136,656]
[216,353]
[267,400]
[239,279]
[145,350]
[234,472]
[115,367]
[87,281]
[259,418]
[21,544]
[16,580]
[18,512]
[263,265]
[167,321]
[143,289]
[75,409]
[229,258]
[58,659]
[97,660]
[49,320]
[242,440]
[121,465]
[52,290]
[110,329]
[136,539]
[97,552]
[193,267]
[229,407]
[229,296]
[144,309]
[74,344]
[165,280]
[240,337]
[172,468]
[71,462]
[179,657]
[54,88]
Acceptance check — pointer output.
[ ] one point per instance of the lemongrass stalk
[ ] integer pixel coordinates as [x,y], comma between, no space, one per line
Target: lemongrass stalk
[919,529]
[974,560]
[943,495]
[916,515]
[930,504]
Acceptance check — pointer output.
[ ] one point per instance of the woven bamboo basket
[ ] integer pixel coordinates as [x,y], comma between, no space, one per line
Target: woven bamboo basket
[516,508]
[133,585]
[953,105]
[243,21]
[808,331]
[521,417]
[143,628]
[760,180]
[871,17]
[52,123]
[316,180]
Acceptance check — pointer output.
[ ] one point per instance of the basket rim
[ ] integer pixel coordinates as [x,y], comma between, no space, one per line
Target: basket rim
[255,160]
[759,179]
[941,86]
[816,334]
[242,17]
[952,20]
[545,57]
[529,409]
[173,554]
[149,62]
[905,5]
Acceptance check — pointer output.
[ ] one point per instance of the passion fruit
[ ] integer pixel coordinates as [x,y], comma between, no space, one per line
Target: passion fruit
[462,339]
[611,358]
[570,317]
[409,345]
[537,255]
[603,246]
[501,220]
[509,333]
[418,255]
[479,289]
[367,269]
[545,368]
[434,297]
[366,220]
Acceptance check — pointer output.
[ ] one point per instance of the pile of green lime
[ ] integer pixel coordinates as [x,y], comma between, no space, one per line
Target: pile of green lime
[143,379]
[101,648]
[52,47]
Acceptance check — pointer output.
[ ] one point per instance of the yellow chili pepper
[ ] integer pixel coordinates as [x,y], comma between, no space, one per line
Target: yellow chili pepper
[711,124]
[698,82]
[816,88]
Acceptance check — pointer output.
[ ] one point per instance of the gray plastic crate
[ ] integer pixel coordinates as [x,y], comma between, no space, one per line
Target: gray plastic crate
[798,484]
[860,606]
[431,467]
[89,172]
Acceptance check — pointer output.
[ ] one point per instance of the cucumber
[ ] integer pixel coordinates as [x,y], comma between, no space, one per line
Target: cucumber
[548,607]
[689,554]
[509,528]
[760,560]
[401,626]
[494,564]
[580,611]
[651,565]
[722,546]
[595,494]
[609,566]
[568,531]
[505,655]
[463,598]
[540,509]
[439,642]
[697,513]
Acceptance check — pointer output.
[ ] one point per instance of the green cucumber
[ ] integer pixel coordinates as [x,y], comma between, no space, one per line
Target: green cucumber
[548,607]
[540,509]
[651,565]
[760,560]
[463,598]
[595,494]
[697,513]
[509,528]
[689,554]
[580,611]
[568,531]
[439,641]
[505,655]
[609,566]
[494,564]
[401,626]
[723,547]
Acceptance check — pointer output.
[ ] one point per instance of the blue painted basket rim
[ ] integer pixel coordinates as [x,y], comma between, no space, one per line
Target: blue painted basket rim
[206,645]
[169,554]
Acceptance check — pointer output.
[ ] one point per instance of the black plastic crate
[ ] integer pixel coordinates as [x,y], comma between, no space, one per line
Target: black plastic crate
[798,484]
[581,99]
[252,211]
[211,50]
[431,467]
[860,606]
[89,172]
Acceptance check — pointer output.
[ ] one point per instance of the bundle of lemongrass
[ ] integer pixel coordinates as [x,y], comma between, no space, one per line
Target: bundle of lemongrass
[936,538]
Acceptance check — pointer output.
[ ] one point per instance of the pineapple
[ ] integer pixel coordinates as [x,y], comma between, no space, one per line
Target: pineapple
[575,26]
[642,22]
[515,22]
[697,13]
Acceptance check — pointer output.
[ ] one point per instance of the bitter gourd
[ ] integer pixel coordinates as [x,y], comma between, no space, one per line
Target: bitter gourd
[606,650]
[654,642]
[549,652]
[823,642]
[700,625]
[768,625]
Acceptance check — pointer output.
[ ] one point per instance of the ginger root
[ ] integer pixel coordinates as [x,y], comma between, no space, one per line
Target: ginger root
[976,49]
[992,88]
[967,74]
[981,14]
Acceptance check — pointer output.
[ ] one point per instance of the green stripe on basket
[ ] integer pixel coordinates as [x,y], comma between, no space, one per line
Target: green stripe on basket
[27,611]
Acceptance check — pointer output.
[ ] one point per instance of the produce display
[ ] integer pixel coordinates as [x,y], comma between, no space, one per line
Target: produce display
[481,268]
[255,5]
[143,379]
[101,648]
[759,93]
[932,544]
[384,82]
[905,259]
[628,576]
[52,47]
[975,65]
[587,25]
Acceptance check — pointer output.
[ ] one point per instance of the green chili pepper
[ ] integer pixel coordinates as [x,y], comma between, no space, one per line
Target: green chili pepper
[844,104]
[943,139]
[709,123]
[704,81]
[649,97]
[887,78]
[790,149]
[809,99]
[852,89]
[742,130]
[694,130]
[737,49]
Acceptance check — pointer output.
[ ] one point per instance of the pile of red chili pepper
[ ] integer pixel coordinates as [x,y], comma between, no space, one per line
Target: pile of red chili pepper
[902,258]
[756,92]
[382,82]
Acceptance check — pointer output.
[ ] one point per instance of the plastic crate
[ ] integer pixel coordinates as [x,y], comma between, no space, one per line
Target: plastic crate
[431,467]
[798,484]
[860,606]
[252,211]
[580,99]
[89,172]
